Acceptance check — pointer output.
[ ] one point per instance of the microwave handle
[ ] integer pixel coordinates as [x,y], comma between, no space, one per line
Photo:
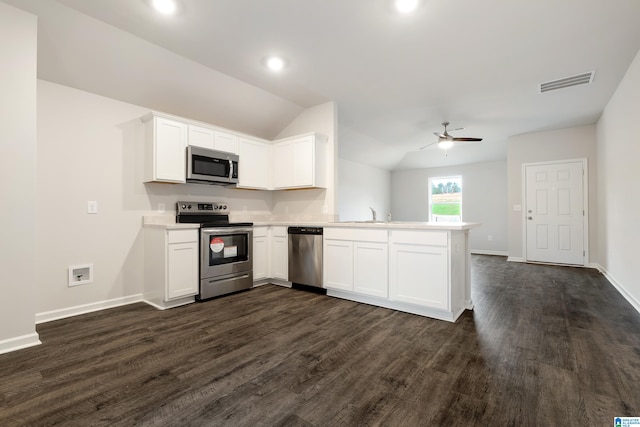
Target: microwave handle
[230,168]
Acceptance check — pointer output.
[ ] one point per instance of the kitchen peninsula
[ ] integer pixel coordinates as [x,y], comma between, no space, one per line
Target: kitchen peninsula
[417,267]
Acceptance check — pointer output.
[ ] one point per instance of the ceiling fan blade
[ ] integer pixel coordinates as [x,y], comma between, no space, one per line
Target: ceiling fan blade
[468,139]
[440,135]
[429,145]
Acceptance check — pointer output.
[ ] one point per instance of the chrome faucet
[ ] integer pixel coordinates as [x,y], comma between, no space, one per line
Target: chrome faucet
[373,212]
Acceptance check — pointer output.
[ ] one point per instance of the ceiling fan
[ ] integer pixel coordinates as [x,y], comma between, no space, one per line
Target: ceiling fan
[445,140]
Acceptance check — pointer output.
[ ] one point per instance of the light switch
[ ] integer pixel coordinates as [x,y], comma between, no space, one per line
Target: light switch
[517,208]
[92,207]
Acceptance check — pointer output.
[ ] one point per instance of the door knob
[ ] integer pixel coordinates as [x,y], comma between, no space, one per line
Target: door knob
[530,218]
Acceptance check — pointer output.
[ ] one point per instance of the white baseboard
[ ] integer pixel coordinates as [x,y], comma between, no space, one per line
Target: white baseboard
[483,252]
[18,343]
[49,316]
[634,302]
[515,259]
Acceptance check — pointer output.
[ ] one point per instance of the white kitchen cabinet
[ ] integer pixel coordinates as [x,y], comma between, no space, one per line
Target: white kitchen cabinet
[370,262]
[260,253]
[164,150]
[201,136]
[300,162]
[419,268]
[171,272]
[279,253]
[356,260]
[255,161]
[225,141]
[337,264]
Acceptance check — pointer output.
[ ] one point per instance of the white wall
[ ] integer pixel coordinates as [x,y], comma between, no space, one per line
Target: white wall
[18,47]
[360,187]
[312,204]
[618,133]
[89,148]
[564,144]
[484,187]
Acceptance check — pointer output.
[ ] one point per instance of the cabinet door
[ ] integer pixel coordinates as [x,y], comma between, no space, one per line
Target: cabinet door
[260,257]
[282,167]
[418,274]
[182,266]
[170,142]
[370,269]
[254,164]
[338,264]
[201,137]
[280,258]
[302,162]
[224,141]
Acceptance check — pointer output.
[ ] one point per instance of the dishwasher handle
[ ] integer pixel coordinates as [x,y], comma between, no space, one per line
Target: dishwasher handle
[306,230]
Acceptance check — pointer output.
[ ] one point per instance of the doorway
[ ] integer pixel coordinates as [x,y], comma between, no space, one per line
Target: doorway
[555,212]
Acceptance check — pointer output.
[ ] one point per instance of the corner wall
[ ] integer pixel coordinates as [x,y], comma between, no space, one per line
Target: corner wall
[18,50]
[618,148]
[312,204]
[564,144]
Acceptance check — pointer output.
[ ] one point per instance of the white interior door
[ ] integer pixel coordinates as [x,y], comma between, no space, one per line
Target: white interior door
[555,213]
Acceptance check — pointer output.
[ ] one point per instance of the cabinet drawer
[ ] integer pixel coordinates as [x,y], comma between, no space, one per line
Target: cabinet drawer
[433,238]
[182,236]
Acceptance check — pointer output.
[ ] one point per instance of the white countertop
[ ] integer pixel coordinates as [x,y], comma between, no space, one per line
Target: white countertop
[415,225]
[169,222]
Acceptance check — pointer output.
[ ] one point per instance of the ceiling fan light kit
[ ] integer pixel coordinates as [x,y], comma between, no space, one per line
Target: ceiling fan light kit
[446,141]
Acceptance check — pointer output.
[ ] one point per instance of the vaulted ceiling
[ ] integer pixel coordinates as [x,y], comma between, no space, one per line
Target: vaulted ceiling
[394,77]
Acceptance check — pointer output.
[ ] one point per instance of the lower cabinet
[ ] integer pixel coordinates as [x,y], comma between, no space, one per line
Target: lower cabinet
[356,260]
[171,272]
[370,273]
[260,253]
[419,268]
[279,253]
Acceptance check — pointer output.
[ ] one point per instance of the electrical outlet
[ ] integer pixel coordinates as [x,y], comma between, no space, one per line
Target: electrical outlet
[324,209]
[490,238]
[92,207]
[161,207]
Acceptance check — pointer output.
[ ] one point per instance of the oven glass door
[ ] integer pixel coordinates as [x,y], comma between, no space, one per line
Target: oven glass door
[225,250]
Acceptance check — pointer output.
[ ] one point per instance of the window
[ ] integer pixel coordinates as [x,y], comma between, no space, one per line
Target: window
[445,199]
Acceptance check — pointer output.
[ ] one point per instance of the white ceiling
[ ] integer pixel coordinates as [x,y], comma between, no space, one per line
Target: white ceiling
[395,78]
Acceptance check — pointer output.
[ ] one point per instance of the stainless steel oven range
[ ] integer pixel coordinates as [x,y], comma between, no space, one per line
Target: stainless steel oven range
[226,260]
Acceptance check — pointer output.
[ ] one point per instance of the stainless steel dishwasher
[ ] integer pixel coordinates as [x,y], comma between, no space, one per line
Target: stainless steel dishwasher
[305,256]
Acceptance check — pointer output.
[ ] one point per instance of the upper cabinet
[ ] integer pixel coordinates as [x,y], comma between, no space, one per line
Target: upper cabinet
[164,150]
[255,164]
[201,137]
[289,163]
[300,162]
[224,141]
[213,139]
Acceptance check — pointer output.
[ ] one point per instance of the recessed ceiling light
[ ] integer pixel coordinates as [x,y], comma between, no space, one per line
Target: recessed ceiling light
[275,63]
[166,7]
[406,6]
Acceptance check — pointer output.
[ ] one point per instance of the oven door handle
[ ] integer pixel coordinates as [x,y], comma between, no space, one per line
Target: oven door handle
[226,230]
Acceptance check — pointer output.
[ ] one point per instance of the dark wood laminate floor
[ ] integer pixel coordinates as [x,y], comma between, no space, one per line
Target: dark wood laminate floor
[545,346]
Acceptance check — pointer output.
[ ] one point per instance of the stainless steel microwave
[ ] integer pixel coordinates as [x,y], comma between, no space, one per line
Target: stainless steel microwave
[207,166]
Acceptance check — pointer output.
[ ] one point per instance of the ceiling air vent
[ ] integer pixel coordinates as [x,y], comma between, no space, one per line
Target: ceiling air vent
[578,79]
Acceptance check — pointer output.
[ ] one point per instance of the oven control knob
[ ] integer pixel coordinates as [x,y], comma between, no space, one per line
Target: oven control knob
[184,206]
[189,207]
[224,207]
